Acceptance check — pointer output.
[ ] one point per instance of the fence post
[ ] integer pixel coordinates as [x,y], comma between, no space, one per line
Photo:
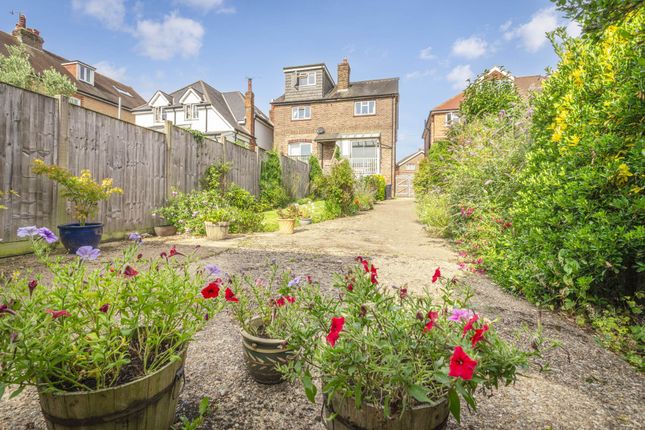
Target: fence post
[62,159]
[167,129]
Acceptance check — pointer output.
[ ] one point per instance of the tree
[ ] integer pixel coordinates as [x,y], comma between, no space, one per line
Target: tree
[596,15]
[488,95]
[316,177]
[15,69]
[272,192]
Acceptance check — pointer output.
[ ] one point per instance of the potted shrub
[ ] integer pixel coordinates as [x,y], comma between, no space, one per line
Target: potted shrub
[217,225]
[169,216]
[306,212]
[103,342]
[389,359]
[84,194]
[287,219]
[260,308]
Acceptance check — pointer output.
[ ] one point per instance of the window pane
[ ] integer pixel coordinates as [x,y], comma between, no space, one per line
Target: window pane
[372,106]
[294,149]
[305,149]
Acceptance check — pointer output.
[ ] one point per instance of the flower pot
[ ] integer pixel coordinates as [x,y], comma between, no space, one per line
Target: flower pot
[286,225]
[305,221]
[73,236]
[216,230]
[165,230]
[144,404]
[262,355]
[370,417]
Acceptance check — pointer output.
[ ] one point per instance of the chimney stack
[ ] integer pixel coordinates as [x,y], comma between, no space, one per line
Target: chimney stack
[28,36]
[249,108]
[343,75]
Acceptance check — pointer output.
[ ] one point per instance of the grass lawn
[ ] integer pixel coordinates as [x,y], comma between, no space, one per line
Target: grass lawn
[271,217]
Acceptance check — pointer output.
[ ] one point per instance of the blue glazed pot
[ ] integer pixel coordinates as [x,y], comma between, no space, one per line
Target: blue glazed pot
[73,236]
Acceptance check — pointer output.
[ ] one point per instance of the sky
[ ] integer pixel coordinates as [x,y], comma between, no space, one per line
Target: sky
[432,46]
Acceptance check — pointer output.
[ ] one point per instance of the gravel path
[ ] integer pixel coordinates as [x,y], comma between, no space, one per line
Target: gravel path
[587,387]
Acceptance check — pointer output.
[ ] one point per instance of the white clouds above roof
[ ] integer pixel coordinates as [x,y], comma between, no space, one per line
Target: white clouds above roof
[470,48]
[459,76]
[108,69]
[532,34]
[426,54]
[111,13]
[207,5]
[170,37]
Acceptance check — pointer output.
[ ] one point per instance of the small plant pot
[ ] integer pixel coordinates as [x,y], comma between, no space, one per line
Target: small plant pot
[165,230]
[73,236]
[147,403]
[216,230]
[305,221]
[369,417]
[286,225]
[262,355]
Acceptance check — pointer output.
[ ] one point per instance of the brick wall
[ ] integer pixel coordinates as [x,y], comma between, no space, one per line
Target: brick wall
[338,117]
[405,169]
[439,126]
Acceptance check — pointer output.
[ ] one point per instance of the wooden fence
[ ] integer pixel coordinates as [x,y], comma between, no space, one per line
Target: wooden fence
[147,164]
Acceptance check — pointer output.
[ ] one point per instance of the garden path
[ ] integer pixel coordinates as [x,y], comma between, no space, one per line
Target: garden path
[586,388]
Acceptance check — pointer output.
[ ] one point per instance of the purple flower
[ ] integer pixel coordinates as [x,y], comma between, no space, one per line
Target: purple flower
[295,281]
[212,269]
[32,230]
[136,237]
[88,253]
[47,234]
[461,315]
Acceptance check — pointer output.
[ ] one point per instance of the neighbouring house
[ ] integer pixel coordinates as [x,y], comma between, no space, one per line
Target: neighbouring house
[405,170]
[95,91]
[442,116]
[198,106]
[359,119]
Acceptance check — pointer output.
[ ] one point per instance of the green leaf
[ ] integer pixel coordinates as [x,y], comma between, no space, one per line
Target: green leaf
[358,396]
[2,387]
[419,393]
[442,378]
[310,388]
[386,406]
[203,406]
[17,392]
[455,404]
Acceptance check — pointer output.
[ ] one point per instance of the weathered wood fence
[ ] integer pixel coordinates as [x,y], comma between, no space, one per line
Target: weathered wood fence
[147,164]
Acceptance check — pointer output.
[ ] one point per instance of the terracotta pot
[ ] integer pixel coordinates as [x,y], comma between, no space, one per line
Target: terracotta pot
[216,230]
[165,230]
[262,355]
[147,403]
[370,417]
[286,225]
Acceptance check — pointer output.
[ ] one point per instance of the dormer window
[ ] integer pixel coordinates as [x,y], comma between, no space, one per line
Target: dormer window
[85,74]
[191,112]
[306,79]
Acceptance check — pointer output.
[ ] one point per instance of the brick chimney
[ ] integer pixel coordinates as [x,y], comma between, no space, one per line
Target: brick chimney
[249,109]
[28,36]
[343,75]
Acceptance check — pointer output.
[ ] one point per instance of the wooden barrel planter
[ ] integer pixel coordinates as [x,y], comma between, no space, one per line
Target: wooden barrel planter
[216,230]
[147,403]
[262,355]
[369,417]
[165,230]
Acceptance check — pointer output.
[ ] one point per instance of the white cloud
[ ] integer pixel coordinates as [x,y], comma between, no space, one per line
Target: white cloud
[504,27]
[420,74]
[459,75]
[574,29]
[533,33]
[175,35]
[108,69]
[207,5]
[472,47]
[110,12]
[426,54]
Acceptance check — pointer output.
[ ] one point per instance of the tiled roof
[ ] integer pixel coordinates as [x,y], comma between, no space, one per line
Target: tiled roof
[450,104]
[357,89]
[410,157]
[104,88]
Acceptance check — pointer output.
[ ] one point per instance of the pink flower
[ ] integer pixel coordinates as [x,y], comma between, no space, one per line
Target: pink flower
[58,314]
[460,314]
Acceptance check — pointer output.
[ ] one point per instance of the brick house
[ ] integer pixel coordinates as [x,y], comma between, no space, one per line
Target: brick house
[317,116]
[95,91]
[404,172]
[442,116]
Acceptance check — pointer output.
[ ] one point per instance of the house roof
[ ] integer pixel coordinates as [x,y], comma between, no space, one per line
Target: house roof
[357,89]
[450,104]
[104,88]
[235,100]
[410,157]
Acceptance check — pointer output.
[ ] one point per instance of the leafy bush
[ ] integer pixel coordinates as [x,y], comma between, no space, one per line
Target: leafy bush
[434,212]
[316,178]
[339,190]
[488,95]
[272,192]
[365,197]
[431,176]
[377,184]
[214,177]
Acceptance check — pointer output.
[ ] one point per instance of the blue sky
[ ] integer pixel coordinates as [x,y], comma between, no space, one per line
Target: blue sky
[431,46]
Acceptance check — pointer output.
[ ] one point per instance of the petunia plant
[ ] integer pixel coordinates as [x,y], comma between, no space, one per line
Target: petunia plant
[396,350]
[94,322]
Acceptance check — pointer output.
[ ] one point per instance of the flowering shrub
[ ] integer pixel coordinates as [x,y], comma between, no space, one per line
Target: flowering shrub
[377,184]
[397,350]
[290,212]
[272,191]
[93,324]
[339,190]
[81,190]
[364,196]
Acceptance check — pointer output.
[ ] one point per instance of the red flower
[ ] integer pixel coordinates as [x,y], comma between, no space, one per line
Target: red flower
[173,252]
[403,293]
[229,295]
[479,335]
[373,275]
[104,308]
[32,286]
[164,255]
[469,324]
[211,290]
[310,279]
[437,275]
[461,366]
[130,272]
[290,299]
[58,314]
[433,315]
[280,302]
[337,324]
[350,287]
[139,256]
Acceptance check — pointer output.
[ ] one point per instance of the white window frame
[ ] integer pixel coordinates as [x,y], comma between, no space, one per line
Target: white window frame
[410,166]
[158,114]
[85,74]
[191,112]
[365,108]
[308,82]
[292,146]
[452,118]
[296,113]
[74,101]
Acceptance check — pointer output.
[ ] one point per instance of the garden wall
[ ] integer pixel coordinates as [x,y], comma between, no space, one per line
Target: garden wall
[147,164]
